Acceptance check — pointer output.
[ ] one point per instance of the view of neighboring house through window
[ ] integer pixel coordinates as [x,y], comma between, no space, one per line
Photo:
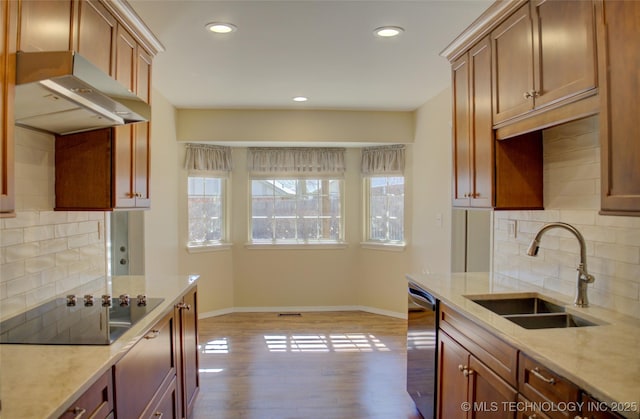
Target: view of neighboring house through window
[383,170]
[208,169]
[385,209]
[206,210]
[296,210]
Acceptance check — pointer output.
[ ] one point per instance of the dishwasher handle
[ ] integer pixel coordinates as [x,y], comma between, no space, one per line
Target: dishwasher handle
[422,297]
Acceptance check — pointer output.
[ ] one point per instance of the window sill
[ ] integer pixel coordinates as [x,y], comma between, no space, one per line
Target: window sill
[217,247]
[390,247]
[304,246]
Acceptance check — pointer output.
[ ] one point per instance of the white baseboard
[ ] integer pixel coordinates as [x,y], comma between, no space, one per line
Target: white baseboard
[302,309]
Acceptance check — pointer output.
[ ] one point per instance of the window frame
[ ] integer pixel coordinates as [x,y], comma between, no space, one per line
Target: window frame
[296,243]
[368,241]
[224,242]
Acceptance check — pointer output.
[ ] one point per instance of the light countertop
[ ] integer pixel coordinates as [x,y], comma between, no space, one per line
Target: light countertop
[41,381]
[604,360]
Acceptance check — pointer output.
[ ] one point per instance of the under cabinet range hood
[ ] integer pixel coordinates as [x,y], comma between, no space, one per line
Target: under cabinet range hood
[62,93]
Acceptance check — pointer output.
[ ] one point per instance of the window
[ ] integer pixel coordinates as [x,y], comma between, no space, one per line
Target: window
[382,169]
[385,209]
[296,210]
[206,210]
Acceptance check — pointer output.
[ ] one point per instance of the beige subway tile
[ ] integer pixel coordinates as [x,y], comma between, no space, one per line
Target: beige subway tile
[23,284]
[12,306]
[53,246]
[38,233]
[78,241]
[9,271]
[22,219]
[67,257]
[53,217]
[629,254]
[11,237]
[22,251]
[40,263]
[66,230]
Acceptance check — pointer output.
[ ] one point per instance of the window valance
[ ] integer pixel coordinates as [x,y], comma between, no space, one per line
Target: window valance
[208,158]
[383,160]
[296,160]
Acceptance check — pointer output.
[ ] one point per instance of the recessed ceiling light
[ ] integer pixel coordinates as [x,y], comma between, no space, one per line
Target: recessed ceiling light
[220,27]
[388,31]
[300,99]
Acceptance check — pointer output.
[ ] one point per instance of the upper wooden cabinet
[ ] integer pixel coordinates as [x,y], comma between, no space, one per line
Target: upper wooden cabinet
[544,55]
[37,33]
[8,44]
[96,30]
[505,174]
[473,134]
[96,35]
[619,37]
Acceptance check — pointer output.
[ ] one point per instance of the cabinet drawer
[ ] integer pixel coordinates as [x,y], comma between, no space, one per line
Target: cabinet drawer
[526,411]
[96,402]
[493,352]
[540,385]
[166,405]
[141,372]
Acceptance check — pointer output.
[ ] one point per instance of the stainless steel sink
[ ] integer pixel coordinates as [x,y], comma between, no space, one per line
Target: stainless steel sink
[531,311]
[519,305]
[549,321]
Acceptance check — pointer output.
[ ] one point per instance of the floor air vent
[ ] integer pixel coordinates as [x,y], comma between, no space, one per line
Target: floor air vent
[289,315]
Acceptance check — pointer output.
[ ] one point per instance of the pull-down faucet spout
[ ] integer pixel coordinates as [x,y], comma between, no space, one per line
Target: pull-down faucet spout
[584,277]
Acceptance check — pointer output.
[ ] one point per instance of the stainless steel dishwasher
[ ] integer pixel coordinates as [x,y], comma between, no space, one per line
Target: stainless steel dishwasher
[422,327]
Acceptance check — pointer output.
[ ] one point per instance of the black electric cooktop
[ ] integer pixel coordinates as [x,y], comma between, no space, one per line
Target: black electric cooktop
[67,321]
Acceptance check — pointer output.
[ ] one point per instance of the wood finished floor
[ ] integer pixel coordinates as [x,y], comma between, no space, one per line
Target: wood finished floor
[334,365]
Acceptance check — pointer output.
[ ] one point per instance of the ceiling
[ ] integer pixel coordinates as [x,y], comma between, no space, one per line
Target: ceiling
[322,49]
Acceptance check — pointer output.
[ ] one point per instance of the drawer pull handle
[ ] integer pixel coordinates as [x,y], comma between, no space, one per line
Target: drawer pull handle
[184,306]
[158,414]
[536,372]
[78,412]
[154,334]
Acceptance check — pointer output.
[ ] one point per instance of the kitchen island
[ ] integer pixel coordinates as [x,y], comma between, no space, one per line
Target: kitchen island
[603,360]
[41,381]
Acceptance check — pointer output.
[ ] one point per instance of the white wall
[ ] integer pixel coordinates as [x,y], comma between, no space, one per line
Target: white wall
[572,195]
[431,192]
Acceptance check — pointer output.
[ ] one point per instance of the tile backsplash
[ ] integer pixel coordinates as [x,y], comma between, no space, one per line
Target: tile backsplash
[46,253]
[572,195]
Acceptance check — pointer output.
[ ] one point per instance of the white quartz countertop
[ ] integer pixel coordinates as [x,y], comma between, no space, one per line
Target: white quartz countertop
[604,360]
[41,381]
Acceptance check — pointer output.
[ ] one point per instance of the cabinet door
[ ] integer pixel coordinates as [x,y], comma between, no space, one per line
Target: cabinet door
[453,359]
[461,132]
[125,58]
[96,402]
[489,394]
[481,126]
[143,74]
[512,66]
[189,351]
[140,374]
[8,18]
[141,166]
[167,406]
[620,107]
[564,45]
[123,188]
[97,35]
[46,25]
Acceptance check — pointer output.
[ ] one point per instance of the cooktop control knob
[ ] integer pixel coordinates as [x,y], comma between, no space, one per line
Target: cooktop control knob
[106,300]
[88,300]
[142,299]
[124,299]
[71,300]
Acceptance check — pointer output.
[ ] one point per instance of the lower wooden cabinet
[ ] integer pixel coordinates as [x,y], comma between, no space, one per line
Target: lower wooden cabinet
[159,376]
[145,369]
[96,402]
[477,379]
[468,388]
[188,377]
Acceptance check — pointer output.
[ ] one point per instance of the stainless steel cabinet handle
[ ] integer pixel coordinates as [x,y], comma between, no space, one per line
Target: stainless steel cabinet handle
[467,372]
[153,334]
[183,306]
[78,412]
[462,367]
[536,372]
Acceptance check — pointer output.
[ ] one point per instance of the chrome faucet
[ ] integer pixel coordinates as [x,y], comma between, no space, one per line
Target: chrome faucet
[584,277]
